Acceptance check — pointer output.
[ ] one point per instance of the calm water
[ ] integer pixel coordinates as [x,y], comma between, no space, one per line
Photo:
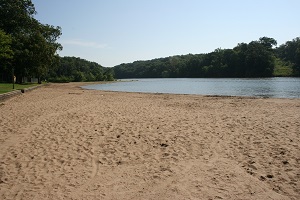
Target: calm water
[258,87]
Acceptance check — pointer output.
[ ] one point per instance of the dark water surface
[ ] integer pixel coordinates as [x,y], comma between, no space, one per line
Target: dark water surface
[254,87]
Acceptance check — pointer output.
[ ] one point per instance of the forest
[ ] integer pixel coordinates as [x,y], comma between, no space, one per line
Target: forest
[259,58]
[72,69]
[30,49]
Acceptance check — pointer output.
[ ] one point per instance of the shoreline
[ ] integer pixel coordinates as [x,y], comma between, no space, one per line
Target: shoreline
[65,142]
[245,90]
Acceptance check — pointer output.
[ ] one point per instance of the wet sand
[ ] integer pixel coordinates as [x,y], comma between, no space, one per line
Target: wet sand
[63,142]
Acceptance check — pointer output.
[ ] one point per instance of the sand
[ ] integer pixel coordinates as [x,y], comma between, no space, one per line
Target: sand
[63,142]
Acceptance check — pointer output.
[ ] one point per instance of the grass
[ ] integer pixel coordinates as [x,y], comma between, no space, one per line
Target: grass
[282,69]
[8,87]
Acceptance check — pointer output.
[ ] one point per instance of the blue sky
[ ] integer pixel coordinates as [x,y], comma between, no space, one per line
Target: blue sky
[111,32]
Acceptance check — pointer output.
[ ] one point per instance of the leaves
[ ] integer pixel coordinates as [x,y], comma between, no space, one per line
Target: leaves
[77,69]
[290,52]
[5,46]
[33,44]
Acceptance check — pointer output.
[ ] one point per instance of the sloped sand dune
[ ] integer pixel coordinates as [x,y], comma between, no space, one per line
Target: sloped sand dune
[62,142]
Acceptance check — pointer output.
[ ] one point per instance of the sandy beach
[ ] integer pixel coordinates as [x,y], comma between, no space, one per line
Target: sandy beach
[63,142]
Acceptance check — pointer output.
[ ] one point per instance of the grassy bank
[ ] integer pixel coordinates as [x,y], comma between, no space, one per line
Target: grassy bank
[282,69]
[8,87]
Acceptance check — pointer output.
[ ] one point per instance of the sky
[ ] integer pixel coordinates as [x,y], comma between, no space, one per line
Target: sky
[111,32]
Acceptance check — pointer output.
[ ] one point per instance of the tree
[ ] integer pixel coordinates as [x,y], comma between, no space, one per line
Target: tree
[16,20]
[16,15]
[255,59]
[77,69]
[42,48]
[259,61]
[109,74]
[268,42]
[6,54]
[5,46]
[34,44]
[290,52]
[79,77]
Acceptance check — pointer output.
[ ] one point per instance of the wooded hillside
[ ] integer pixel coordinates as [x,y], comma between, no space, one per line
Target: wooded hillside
[256,59]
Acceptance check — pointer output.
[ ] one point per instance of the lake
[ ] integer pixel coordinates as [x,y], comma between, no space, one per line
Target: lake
[254,87]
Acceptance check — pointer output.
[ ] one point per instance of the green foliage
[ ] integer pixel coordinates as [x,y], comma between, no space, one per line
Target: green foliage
[16,15]
[268,42]
[290,52]
[6,55]
[259,60]
[108,75]
[5,46]
[283,68]
[255,59]
[33,44]
[76,69]
[79,76]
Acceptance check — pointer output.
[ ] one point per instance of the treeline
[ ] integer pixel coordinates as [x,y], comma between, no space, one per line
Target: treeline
[289,54]
[76,69]
[255,59]
[28,48]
